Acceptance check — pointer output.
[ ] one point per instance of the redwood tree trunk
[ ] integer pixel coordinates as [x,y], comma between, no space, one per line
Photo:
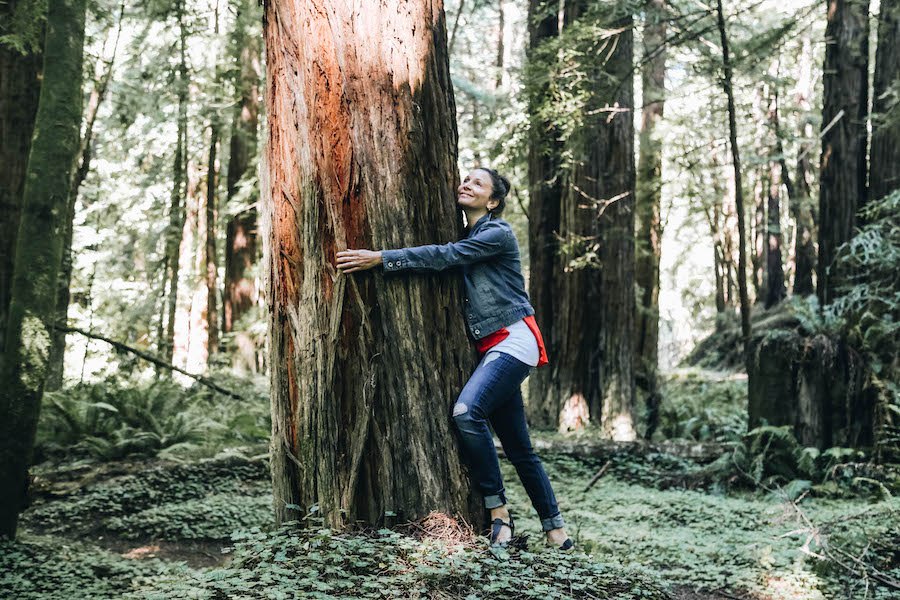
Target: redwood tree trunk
[594,325]
[361,153]
[240,236]
[545,191]
[19,90]
[648,196]
[23,367]
[884,176]
[842,188]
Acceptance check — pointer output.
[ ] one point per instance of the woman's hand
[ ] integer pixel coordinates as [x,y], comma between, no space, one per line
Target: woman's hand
[357,260]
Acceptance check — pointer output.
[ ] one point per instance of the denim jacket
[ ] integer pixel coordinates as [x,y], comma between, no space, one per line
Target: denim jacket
[492,271]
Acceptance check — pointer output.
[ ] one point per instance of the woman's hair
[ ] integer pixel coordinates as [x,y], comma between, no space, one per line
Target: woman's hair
[500,185]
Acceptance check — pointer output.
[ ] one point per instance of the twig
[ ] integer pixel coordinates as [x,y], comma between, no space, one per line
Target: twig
[152,359]
[597,477]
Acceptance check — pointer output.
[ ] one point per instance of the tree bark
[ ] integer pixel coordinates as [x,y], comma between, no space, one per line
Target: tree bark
[240,236]
[98,94]
[595,316]
[210,261]
[648,198]
[361,153]
[20,86]
[842,189]
[775,290]
[39,252]
[884,174]
[544,191]
[738,186]
[176,203]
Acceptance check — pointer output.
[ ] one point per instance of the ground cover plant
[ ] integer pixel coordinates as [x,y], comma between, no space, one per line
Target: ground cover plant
[158,529]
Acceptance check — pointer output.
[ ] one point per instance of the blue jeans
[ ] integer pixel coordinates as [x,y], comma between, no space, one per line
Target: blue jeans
[493,393]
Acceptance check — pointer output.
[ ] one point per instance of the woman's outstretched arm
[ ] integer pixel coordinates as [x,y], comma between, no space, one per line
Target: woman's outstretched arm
[490,240]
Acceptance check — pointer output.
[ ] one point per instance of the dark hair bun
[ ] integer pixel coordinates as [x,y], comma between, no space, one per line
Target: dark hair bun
[501,186]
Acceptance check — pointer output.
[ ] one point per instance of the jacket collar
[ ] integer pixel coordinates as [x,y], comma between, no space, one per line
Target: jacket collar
[483,219]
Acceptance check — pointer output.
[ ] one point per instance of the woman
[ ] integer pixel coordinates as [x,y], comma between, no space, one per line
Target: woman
[501,319]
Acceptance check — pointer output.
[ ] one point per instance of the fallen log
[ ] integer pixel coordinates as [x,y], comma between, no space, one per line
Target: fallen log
[701,452]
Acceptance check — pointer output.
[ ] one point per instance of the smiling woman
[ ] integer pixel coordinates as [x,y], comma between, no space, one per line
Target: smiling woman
[500,319]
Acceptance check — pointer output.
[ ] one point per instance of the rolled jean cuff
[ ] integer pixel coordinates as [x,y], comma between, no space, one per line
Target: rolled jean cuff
[552,523]
[495,501]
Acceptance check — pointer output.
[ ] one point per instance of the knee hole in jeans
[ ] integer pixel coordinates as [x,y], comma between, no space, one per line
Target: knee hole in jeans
[460,409]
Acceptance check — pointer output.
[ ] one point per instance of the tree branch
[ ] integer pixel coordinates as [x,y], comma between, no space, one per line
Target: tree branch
[152,359]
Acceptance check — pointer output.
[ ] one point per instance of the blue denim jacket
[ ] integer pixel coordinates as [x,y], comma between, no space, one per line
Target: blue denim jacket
[492,271]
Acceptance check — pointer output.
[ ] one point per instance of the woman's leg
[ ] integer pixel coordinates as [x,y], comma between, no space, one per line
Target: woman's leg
[495,379]
[511,427]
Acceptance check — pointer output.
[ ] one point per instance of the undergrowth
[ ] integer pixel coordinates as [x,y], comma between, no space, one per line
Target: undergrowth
[180,499]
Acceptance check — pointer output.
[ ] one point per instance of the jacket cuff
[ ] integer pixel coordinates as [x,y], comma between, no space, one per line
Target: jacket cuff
[393,260]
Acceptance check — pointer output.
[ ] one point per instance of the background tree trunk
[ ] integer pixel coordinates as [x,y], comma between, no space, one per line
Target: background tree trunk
[361,153]
[545,191]
[39,252]
[738,185]
[176,204]
[104,70]
[648,198]
[842,188]
[211,263]
[884,174]
[595,317]
[240,236]
[20,86]
[775,290]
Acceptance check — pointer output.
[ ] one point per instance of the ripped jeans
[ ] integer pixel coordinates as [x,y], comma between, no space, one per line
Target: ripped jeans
[493,393]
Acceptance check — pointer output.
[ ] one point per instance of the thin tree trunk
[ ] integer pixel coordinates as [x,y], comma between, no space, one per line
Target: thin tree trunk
[884,174]
[361,153]
[801,204]
[545,191]
[648,198]
[39,252]
[758,234]
[775,290]
[501,24]
[176,204]
[98,94]
[738,185]
[842,188]
[240,235]
[20,86]
[211,263]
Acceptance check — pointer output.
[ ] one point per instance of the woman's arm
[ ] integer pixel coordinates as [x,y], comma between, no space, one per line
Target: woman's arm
[491,240]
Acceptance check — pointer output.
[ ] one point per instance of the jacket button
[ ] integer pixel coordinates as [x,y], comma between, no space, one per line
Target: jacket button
[390,264]
[477,331]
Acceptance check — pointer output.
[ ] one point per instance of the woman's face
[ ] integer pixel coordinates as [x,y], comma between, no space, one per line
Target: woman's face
[475,191]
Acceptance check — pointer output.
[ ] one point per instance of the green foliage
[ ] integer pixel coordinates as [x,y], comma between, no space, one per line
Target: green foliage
[109,421]
[40,568]
[22,29]
[703,406]
[183,493]
[212,517]
[868,304]
[750,544]
[311,563]
[771,458]
[115,418]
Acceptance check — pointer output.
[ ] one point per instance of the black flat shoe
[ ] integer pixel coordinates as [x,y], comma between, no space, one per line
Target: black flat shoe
[567,545]
[496,525]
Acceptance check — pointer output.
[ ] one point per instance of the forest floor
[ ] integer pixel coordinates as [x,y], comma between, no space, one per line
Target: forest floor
[201,530]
